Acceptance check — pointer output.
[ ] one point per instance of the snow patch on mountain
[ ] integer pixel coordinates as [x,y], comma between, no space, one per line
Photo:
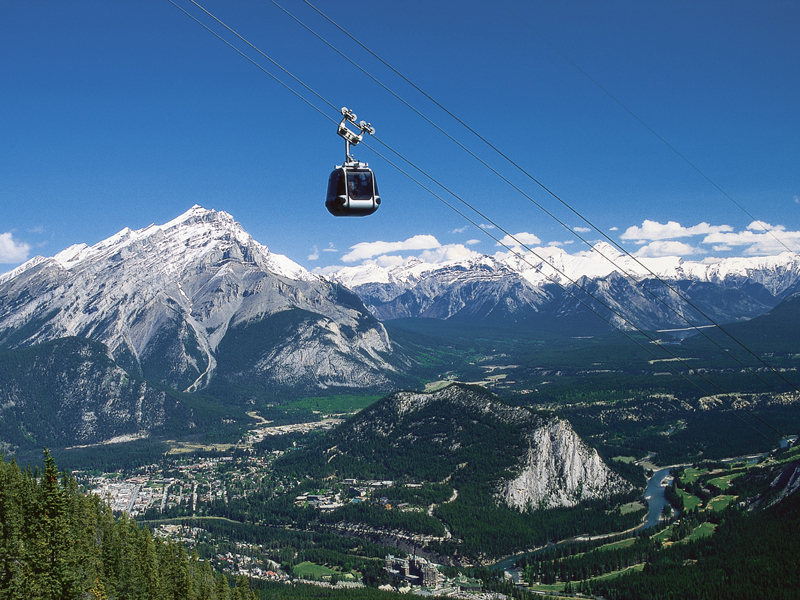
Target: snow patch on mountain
[554,265]
[162,298]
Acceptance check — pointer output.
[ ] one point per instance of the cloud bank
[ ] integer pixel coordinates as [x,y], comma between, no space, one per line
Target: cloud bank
[366,250]
[12,251]
[758,239]
[655,240]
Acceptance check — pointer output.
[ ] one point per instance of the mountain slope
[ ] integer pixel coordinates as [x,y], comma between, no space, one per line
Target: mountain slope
[468,435]
[552,290]
[164,298]
[774,332]
[69,391]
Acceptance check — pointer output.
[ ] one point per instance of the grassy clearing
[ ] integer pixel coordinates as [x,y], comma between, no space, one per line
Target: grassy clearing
[542,587]
[186,447]
[704,530]
[631,507]
[724,482]
[691,474]
[720,502]
[309,570]
[665,535]
[333,405]
[690,502]
[617,545]
[625,459]
[618,573]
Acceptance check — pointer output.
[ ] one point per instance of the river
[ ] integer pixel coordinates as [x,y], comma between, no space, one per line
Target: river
[656,501]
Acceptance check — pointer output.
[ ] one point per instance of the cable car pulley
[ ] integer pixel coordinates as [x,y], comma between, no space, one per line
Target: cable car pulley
[352,189]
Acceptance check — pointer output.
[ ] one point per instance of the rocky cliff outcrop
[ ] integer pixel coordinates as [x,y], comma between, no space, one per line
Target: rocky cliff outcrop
[559,470]
[465,433]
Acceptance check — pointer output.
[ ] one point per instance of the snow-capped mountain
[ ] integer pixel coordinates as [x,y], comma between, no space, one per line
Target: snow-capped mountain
[553,287]
[167,300]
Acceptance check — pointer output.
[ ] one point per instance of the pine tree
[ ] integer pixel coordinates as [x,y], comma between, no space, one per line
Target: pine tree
[148,563]
[97,591]
[11,532]
[49,572]
[222,589]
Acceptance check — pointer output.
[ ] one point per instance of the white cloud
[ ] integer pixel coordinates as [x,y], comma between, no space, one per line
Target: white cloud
[388,261]
[653,230]
[366,250]
[667,248]
[761,239]
[330,248]
[581,229]
[758,239]
[521,238]
[614,229]
[37,229]
[327,270]
[797,199]
[472,242]
[460,229]
[448,252]
[12,251]
[485,226]
[764,226]
[314,255]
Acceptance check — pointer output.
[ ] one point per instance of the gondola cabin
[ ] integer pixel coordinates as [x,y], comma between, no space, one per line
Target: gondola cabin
[352,191]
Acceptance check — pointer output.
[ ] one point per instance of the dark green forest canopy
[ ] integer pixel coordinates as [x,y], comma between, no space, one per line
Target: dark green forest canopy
[58,544]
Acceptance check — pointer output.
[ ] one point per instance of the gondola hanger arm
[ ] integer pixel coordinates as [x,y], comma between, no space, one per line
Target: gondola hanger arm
[351,137]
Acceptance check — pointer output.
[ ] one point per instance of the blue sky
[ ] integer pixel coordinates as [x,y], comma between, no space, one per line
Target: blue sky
[126,113]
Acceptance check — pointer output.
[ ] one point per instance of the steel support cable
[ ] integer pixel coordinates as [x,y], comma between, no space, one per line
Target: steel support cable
[261,67]
[472,208]
[563,287]
[650,129]
[625,273]
[457,119]
[638,262]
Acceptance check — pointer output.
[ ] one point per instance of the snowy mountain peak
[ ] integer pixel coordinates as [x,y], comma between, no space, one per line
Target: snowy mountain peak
[197,232]
[162,299]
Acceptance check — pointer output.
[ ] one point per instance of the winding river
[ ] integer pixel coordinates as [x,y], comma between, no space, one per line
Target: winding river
[656,501]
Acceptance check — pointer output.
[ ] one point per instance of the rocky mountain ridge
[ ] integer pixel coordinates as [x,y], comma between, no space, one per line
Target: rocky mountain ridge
[563,290]
[164,298]
[528,459]
[69,392]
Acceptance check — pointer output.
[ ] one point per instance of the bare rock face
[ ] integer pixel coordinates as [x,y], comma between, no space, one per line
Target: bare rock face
[559,470]
[164,298]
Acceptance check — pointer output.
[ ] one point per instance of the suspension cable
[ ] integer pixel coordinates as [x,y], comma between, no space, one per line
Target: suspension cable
[500,242]
[640,284]
[650,129]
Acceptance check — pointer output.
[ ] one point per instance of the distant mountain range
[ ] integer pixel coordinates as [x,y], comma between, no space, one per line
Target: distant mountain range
[197,305]
[168,300]
[587,292]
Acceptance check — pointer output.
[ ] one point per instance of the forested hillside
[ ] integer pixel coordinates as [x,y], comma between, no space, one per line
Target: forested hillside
[57,544]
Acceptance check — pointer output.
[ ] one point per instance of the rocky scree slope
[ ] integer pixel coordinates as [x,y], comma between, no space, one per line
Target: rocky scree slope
[164,299]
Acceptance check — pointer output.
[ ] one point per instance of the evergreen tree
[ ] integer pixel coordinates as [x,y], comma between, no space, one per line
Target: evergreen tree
[57,544]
